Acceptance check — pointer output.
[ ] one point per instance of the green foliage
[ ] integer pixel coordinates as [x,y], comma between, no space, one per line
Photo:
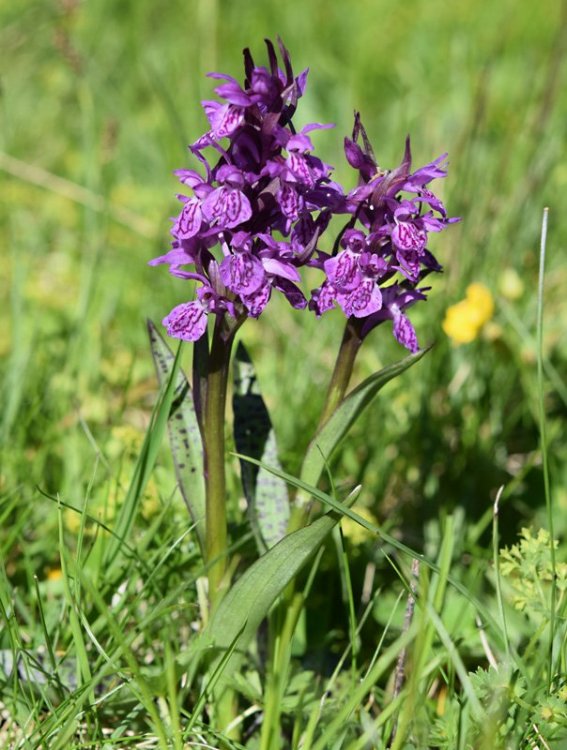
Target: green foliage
[254,436]
[336,428]
[527,566]
[184,433]
[98,103]
[250,599]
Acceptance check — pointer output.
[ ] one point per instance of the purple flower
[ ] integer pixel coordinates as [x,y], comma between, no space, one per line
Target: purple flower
[254,218]
[363,300]
[187,321]
[262,199]
[189,220]
[383,253]
[242,273]
[226,208]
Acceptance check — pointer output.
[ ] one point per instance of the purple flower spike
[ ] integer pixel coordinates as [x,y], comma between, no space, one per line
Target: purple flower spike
[392,213]
[254,218]
[261,203]
[391,216]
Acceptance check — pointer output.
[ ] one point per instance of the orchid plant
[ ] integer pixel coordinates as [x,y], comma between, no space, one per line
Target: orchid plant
[253,217]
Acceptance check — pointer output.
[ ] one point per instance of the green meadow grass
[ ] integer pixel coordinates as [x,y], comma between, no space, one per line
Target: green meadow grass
[98,102]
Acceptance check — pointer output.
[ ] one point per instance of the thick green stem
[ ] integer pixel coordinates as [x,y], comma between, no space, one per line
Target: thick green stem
[216,533]
[215,482]
[343,368]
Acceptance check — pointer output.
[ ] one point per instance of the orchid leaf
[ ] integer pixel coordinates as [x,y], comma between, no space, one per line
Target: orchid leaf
[339,423]
[254,436]
[184,434]
[344,509]
[250,599]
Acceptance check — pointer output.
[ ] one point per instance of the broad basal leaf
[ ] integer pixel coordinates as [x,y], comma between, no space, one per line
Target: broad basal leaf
[254,436]
[253,595]
[184,434]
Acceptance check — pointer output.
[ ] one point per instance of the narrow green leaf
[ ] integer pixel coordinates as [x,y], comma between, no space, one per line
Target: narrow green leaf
[212,681]
[184,433]
[254,436]
[334,430]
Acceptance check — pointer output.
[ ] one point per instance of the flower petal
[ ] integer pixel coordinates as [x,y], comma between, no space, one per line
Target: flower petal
[255,303]
[362,301]
[404,331]
[406,236]
[342,271]
[189,220]
[226,207]
[187,321]
[323,299]
[242,273]
[291,203]
[281,268]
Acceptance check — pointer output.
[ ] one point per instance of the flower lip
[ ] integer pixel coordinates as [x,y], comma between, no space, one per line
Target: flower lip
[187,321]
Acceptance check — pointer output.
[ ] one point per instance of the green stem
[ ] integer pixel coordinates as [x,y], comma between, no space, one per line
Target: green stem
[283,623]
[215,483]
[344,364]
[342,373]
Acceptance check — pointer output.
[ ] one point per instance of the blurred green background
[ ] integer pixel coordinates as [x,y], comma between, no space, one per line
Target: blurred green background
[99,100]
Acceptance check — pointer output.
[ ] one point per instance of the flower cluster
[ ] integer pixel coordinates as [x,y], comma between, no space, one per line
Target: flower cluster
[383,258]
[267,200]
[264,203]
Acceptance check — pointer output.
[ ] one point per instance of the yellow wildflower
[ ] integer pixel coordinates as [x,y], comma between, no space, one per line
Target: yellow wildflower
[464,321]
[353,531]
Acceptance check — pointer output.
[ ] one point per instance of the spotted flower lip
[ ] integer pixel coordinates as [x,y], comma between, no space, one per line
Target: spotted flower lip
[187,321]
[253,218]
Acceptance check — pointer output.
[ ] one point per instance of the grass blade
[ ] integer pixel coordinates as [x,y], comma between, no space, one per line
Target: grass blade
[144,465]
